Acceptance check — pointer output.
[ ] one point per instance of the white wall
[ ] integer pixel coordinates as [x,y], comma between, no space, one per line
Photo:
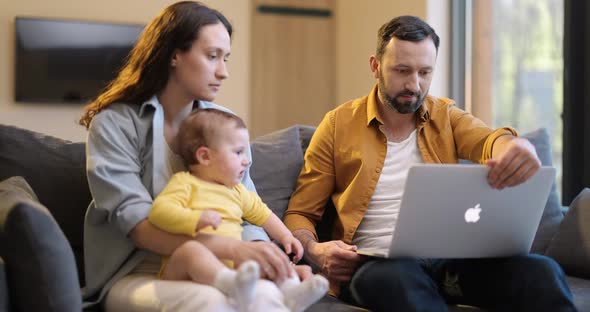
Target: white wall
[438,16]
[357,25]
[61,119]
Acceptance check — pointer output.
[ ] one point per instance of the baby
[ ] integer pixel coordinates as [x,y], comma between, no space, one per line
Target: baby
[210,199]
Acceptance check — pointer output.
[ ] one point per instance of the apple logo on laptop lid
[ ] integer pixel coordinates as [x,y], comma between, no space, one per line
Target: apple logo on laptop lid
[472,214]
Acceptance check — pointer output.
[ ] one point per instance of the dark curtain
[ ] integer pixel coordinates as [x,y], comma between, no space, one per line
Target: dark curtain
[576,104]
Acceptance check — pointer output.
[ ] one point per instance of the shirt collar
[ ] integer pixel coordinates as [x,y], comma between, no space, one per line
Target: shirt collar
[153,102]
[373,108]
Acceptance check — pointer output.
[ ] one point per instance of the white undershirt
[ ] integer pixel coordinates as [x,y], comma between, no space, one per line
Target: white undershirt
[174,162]
[376,229]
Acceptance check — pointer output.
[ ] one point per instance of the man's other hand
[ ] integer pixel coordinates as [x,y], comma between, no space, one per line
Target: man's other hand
[517,162]
[335,259]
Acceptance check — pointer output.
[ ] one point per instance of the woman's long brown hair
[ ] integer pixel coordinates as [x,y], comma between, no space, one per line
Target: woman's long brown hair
[147,67]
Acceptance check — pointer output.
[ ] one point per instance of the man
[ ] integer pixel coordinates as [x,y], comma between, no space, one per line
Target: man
[359,157]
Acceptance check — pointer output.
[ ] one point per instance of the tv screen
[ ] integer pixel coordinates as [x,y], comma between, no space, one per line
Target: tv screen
[68,60]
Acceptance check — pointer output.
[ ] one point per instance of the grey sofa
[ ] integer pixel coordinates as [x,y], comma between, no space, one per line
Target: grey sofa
[44,195]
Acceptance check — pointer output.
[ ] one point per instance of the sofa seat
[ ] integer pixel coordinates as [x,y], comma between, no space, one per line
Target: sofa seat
[581,290]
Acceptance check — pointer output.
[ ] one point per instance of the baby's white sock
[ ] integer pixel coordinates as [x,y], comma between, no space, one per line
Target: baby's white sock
[225,280]
[300,295]
[239,285]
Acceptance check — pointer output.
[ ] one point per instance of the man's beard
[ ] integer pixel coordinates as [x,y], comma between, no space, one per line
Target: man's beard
[408,107]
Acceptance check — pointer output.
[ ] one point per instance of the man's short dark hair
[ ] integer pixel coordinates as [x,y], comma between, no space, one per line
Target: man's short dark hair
[410,28]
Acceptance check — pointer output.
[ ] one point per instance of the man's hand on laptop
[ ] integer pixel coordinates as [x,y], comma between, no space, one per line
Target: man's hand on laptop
[515,161]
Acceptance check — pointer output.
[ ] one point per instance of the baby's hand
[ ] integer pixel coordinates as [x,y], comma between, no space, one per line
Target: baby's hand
[292,246]
[209,218]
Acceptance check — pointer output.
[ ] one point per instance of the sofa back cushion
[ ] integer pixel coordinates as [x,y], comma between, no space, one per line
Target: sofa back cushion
[277,159]
[552,214]
[56,170]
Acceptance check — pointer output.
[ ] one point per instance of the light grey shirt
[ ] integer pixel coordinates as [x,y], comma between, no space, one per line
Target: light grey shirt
[124,148]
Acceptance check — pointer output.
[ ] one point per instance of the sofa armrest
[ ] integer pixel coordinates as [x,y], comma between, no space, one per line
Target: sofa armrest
[571,245]
[40,266]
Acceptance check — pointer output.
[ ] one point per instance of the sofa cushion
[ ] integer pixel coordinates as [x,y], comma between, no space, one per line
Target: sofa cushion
[305,134]
[276,161]
[571,246]
[40,265]
[552,214]
[329,303]
[4,299]
[56,170]
[581,291]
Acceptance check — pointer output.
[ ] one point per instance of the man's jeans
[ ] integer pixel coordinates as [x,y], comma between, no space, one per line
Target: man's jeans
[522,283]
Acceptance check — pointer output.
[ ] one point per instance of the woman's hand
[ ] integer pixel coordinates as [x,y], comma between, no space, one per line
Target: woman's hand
[274,263]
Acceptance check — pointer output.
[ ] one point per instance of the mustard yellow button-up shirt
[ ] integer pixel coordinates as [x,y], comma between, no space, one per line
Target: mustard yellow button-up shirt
[345,156]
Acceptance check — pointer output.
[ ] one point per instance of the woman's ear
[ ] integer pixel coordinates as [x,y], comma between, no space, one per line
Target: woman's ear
[203,155]
[174,59]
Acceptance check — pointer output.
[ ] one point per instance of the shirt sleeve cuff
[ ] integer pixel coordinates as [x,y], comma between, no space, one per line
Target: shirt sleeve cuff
[294,223]
[129,217]
[489,143]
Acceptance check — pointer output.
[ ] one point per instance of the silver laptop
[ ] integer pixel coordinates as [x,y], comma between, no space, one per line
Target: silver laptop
[450,211]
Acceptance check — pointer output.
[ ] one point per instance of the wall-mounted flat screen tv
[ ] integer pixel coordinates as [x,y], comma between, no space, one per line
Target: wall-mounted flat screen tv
[67,60]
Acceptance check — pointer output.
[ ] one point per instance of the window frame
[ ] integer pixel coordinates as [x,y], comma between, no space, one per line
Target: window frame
[576,99]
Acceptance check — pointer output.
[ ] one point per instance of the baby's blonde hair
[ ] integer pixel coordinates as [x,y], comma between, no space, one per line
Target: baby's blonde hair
[201,128]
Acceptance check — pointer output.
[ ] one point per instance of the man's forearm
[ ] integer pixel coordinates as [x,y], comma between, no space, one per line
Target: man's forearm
[307,239]
[147,236]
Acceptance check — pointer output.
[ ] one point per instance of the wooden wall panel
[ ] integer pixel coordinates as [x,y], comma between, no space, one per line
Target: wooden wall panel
[293,59]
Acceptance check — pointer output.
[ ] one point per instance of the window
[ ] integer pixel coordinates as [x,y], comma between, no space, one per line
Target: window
[513,65]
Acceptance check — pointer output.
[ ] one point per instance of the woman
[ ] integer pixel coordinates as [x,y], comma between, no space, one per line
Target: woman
[177,65]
